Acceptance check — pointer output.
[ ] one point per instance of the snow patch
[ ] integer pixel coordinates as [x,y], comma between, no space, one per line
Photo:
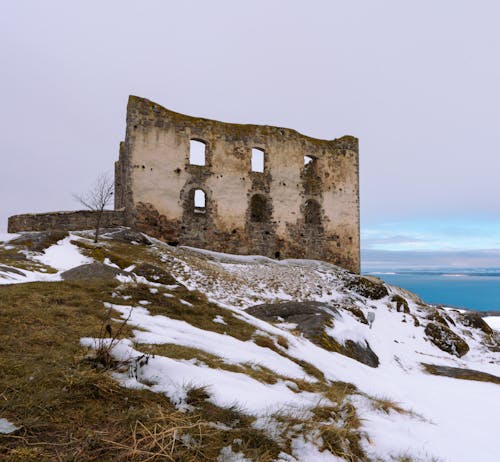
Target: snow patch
[7,427]
[63,256]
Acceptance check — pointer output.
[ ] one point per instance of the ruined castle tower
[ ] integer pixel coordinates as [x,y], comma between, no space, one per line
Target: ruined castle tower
[243,189]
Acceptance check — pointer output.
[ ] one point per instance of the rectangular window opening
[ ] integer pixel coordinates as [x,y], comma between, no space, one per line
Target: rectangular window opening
[196,152]
[257,160]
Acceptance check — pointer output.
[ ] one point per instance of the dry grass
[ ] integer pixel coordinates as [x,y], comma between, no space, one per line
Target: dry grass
[199,313]
[335,428]
[66,407]
[70,410]
[168,437]
[15,258]
[121,254]
[386,405]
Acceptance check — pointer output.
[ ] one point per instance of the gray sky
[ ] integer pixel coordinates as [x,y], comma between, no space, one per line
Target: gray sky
[416,81]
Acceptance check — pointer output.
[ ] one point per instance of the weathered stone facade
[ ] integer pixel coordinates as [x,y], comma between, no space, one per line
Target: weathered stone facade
[67,221]
[289,210]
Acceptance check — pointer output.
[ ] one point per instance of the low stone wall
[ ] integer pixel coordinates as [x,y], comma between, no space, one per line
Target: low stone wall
[67,221]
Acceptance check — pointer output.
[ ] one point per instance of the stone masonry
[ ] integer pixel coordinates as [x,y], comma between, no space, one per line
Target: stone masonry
[66,221]
[304,204]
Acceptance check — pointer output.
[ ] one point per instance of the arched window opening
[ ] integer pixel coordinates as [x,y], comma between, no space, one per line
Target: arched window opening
[199,201]
[312,212]
[310,165]
[259,209]
[197,152]
[257,160]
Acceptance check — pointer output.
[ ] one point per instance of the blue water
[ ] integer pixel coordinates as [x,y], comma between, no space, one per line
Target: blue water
[472,288]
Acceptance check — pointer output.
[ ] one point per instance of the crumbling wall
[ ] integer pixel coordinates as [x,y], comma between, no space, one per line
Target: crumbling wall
[67,221]
[290,210]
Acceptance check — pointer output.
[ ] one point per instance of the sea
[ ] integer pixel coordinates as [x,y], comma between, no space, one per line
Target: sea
[470,288]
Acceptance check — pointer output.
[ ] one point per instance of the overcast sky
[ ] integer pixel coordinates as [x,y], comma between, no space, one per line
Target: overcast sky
[417,82]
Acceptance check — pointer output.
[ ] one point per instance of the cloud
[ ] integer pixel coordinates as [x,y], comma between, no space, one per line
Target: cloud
[397,259]
[452,233]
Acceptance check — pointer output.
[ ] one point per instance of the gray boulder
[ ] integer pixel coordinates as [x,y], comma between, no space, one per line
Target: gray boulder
[311,319]
[154,273]
[127,235]
[91,271]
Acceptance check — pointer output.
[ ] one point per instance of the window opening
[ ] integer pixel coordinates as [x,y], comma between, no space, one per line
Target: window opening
[197,152]
[259,209]
[199,201]
[310,165]
[257,160]
[312,212]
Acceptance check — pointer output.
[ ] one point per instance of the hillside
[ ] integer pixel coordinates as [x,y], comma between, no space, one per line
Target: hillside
[153,352]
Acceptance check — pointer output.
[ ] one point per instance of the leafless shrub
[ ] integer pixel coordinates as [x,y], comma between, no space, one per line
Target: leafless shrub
[97,198]
[108,338]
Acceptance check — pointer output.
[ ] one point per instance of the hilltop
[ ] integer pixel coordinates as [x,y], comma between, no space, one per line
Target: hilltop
[131,349]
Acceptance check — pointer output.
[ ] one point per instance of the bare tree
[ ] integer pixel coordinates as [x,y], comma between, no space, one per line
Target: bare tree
[96,199]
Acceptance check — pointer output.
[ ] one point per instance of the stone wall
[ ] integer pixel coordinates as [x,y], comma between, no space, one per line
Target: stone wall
[68,221]
[290,210]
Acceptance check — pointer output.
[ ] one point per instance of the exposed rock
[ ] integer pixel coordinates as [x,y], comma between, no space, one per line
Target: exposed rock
[401,303]
[472,319]
[311,319]
[459,373]
[154,274]
[39,241]
[448,318]
[127,235]
[362,353]
[436,316]
[445,339]
[356,312]
[91,271]
[368,287]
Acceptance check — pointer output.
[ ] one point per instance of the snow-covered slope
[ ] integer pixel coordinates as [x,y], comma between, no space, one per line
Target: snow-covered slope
[403,409]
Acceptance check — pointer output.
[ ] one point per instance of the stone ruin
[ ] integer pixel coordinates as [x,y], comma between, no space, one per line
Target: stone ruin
[241,189]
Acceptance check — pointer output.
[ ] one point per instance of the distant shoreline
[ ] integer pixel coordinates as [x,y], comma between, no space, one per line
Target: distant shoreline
[483,314]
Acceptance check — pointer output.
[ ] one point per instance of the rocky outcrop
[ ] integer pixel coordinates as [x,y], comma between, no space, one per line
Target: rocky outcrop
[127,235]
[311,319]
[401,303]
[91,271]
[371,288]
[153,273]
[461,373]
[361,352]
[446,340]
[472,319]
